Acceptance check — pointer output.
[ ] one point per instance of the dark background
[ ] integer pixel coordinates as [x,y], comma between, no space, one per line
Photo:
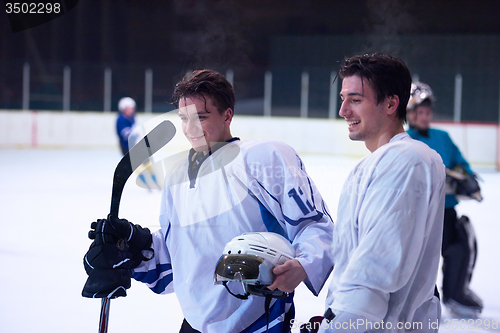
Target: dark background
[437,39]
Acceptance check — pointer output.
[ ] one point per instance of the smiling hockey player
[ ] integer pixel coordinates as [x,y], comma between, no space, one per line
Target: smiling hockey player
[222,188]
[387,236]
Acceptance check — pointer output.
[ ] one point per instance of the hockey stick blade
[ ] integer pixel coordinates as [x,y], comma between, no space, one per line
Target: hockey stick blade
[137,155]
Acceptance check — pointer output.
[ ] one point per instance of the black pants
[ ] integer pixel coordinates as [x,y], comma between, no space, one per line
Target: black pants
[457,252]
[186,328]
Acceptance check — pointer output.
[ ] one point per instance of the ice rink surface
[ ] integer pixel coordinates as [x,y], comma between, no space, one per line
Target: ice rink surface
[50,197]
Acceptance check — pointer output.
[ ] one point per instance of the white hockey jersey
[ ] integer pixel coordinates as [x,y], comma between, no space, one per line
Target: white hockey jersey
[242,187]
[387,239]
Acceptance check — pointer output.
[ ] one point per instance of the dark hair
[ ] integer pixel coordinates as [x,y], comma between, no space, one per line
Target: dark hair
[388,76]
[206,82]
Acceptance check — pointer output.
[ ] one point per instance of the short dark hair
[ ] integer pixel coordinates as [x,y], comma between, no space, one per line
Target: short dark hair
[388,76]
[206,82]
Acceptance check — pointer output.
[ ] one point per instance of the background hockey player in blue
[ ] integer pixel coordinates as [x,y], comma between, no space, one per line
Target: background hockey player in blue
[128,135]
[387,236]
[222,188]
[125,122]
[459,247]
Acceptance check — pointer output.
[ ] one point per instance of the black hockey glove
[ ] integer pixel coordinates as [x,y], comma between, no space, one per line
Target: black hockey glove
[462,184]
[469,188]
[118,247]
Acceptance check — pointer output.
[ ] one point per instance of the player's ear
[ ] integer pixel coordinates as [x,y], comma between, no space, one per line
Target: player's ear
[392,104]
[228,115]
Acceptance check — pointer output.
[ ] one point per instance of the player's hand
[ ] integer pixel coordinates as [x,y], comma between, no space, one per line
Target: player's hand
[128,243]
[118,247]
[288,276]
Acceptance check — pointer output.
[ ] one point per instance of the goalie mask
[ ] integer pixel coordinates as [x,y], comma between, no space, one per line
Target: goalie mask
[250,259]
[419,92]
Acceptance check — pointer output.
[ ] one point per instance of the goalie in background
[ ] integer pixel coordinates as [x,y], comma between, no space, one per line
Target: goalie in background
[459,243]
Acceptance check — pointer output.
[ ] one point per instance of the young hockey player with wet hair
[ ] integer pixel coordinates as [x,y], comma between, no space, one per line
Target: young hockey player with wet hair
[223,187]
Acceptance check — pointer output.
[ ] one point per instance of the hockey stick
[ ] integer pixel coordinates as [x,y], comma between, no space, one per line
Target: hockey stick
[137,155]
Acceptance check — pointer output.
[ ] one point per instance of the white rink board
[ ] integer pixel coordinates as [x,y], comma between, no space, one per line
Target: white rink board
[479,143]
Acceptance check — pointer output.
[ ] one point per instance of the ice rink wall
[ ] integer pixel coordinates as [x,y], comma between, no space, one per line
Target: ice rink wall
[479,142]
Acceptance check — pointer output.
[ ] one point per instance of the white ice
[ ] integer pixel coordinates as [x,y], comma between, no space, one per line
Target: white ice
[50,197]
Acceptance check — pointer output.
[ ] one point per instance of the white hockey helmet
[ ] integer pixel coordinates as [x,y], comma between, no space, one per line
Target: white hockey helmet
[419,92]
[250,259]
[125,102]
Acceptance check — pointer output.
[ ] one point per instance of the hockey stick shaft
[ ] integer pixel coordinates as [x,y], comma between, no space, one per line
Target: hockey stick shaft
[137,155]
[103,319]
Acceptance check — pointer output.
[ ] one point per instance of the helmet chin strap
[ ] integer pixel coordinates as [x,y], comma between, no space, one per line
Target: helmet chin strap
[267,302]
[263,289]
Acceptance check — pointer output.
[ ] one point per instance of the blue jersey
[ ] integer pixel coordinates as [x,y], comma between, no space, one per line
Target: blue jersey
[250,186]
[441,142]
[124,127]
